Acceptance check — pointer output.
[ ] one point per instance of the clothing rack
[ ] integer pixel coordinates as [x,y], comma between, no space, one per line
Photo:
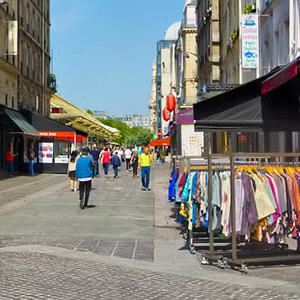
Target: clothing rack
[231,257]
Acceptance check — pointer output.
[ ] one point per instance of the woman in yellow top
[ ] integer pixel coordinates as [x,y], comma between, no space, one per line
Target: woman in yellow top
[145,161]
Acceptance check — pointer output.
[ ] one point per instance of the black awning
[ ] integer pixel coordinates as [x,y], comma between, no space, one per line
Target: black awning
[238,108]
[22,125]
[42,123]
[245,108]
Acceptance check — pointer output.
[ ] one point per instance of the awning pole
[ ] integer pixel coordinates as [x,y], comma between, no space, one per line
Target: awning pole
[232,207]
[210,218]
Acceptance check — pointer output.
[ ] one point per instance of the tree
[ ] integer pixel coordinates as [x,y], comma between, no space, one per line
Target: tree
[90,112]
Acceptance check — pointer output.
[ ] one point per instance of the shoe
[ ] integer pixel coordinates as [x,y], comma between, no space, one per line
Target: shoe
[11,176]
[143,188]
[81,204]
[115,176]
[105,176]
[148,189]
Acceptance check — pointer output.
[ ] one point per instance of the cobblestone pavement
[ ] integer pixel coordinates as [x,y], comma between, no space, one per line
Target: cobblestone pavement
[125,248]
[40,276]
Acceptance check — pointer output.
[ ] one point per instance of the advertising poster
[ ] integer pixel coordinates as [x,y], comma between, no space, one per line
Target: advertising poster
[250,41]
[46,153]
[192,142]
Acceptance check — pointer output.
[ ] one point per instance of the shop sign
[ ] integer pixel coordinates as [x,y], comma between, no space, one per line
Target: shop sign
[192,142]
[61,159]
[250,41]
[46,153]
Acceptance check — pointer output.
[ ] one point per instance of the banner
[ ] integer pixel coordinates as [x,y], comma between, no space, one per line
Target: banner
[12,37]
[250,41]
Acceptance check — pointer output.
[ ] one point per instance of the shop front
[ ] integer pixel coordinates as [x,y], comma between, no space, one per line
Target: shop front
[56,144]
[16,132]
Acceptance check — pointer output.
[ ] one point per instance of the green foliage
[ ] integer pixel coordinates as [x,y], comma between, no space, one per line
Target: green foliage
[234,36]
[136,136]
[51,82]
[247,9]
[90,112]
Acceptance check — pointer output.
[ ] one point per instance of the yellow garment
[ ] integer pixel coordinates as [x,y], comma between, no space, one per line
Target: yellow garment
[145,160]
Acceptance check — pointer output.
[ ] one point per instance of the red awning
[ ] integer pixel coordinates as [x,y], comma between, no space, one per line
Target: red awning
[161,142]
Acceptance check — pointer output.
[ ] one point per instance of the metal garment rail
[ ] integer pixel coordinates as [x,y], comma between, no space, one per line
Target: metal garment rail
[234,260]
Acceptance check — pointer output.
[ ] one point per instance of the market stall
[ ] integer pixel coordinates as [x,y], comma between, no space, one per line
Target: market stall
[250,111]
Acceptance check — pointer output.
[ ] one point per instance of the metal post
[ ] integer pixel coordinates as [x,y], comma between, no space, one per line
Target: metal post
[210,218]
[188,164]
[232,207]
[181,165]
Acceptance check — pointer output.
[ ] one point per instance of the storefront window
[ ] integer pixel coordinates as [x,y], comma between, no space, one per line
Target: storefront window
[61,151]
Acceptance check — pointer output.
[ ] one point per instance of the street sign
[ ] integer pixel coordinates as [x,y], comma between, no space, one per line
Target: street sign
[250,41]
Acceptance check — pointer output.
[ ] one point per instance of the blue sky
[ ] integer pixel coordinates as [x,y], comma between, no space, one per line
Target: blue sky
[103,50]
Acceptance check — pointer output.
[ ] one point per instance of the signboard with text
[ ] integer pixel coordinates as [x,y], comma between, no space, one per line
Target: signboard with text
[250,41]
[192,142]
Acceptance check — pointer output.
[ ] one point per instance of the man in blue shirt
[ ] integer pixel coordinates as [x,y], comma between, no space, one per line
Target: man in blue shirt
[84,174]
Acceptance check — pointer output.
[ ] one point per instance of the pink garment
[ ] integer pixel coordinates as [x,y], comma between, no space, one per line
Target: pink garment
[276,196]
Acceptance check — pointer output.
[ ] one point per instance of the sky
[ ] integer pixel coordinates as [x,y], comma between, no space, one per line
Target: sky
[103,50]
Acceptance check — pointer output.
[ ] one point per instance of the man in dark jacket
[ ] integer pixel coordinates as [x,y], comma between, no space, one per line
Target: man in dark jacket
[116,163]
[84,173]
[95,154]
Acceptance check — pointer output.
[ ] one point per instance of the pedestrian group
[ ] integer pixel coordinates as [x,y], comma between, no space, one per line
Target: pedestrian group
[84,166]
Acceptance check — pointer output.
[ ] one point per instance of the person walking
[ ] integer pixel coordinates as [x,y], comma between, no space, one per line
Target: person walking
[105,159]
[9,158]
[31,157]
[158,157]
[95,154]
[84,174]
[72,171]
[116,163]
[145,161]
[128,155]
[134,162]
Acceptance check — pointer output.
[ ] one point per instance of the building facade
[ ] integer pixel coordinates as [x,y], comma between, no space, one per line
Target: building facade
[25,79]
[165,52]
[152,105]
[208,39]
[188,33]
[34,56]
[140,121]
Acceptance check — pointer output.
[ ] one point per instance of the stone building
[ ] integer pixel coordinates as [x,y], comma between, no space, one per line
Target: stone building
[188,33]
[34,56]
[165,62]
[25,80]
[208,39]
[152,105]
[8,63]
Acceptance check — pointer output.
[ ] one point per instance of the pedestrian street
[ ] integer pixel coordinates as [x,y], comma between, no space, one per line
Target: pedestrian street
[125,245]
